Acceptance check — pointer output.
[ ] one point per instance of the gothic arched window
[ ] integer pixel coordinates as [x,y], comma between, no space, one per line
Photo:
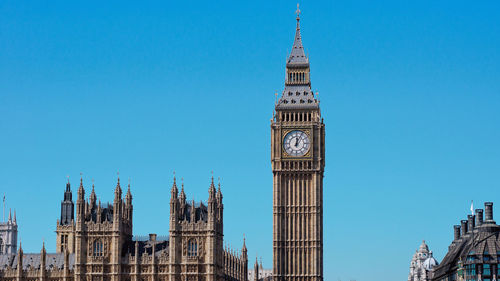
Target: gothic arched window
[192,248]
[98,248]
[1,246]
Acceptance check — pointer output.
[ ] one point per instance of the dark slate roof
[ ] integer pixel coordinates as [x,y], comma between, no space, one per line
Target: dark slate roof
[200,209]
[297,55]
[484,241]
[297,96]
[146,247]
[53,261]
[106,213]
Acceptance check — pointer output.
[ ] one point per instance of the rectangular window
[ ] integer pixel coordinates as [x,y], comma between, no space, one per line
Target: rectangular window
[486,270]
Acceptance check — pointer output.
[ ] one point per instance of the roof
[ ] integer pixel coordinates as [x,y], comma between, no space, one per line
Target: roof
[297,55]
[472,247]
[297,96]
[160,246]
[53,261]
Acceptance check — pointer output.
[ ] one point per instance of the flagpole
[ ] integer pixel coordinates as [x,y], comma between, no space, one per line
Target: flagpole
[4,207]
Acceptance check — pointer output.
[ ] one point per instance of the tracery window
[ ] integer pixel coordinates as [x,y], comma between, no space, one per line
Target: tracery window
[98,249]
[192,248]
[1,246]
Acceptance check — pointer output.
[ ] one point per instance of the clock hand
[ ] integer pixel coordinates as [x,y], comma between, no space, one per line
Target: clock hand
[296,142]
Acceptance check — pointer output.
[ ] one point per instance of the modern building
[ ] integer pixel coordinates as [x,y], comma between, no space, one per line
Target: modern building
[421,264]
[474,253]
[8,235]
[298,163]
[97,244]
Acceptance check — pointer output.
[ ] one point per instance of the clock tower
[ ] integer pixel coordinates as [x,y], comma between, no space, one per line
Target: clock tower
[298,161]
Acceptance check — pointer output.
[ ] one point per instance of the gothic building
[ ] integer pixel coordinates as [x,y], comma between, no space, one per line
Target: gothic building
[8,235]
[259,273]
[98,244]
[298,162]
[421,264]
[474,253]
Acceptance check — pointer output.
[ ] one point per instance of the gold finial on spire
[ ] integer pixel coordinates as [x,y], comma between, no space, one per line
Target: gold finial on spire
[298,12]
[67,176]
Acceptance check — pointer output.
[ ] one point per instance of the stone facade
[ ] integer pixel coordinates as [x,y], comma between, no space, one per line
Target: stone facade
[8,235]
[421,264]
[97,244]
[298,162]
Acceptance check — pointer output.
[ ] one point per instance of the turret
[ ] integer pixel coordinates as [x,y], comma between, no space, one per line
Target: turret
[212,202]
[67,206]
[92,199]
[80,202]
[20,255]
[174,202]
[182,200]
[244,260]
[256,270]
[129,207]
[193,212]
[117,205]
[99,212]
[220,206]
[43,262]
[244,250]
[174,191]
[211,191]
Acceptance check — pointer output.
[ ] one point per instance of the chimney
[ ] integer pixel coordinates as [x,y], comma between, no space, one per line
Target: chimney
[488,208]
[456,232]
[479,217]
[152,237]
[464,227]
[470,223]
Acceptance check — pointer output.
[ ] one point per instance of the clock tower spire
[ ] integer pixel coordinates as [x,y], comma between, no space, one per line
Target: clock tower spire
[298,161]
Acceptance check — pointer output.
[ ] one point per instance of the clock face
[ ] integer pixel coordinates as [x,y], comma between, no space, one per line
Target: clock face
[296,143]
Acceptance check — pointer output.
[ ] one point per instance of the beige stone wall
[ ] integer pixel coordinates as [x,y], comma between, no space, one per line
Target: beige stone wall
[298,198]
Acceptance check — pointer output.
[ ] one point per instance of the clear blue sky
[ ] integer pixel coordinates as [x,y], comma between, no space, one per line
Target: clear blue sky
[409,91]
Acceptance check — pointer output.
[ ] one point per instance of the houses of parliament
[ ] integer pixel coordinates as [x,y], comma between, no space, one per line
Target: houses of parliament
[95,241]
